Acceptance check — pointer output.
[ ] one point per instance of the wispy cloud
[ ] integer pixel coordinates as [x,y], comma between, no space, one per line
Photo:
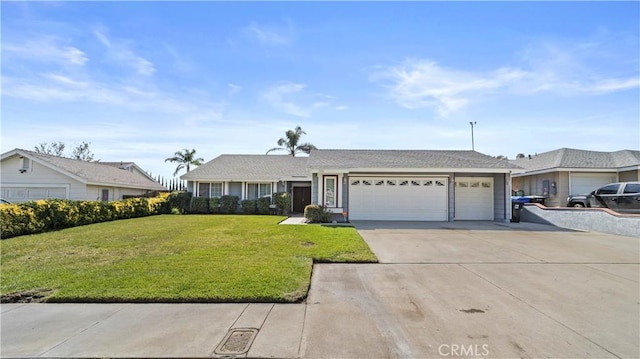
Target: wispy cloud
[565,69]
[269,35]
[292,99]
[234,89]
[121,52]
[46,49]
[423,83]
[276,97]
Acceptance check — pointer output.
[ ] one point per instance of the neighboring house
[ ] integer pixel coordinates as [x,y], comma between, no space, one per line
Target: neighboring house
[28,175]
[369,184]
[563,172]
[252,177]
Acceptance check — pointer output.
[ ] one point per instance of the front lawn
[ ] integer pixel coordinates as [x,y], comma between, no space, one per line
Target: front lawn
[175,258]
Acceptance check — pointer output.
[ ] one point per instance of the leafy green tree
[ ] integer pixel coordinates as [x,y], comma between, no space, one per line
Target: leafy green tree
[185,159]
[290,143]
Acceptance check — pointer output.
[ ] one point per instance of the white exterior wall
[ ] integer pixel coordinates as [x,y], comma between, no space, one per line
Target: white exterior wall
[94,193]
[38,176]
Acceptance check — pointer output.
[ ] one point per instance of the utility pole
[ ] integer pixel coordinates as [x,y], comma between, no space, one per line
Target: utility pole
[473,147]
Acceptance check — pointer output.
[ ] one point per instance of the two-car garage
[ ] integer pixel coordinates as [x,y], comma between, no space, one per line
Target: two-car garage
[419,198]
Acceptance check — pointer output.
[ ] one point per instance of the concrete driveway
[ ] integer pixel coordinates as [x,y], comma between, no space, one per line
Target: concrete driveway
[478,289]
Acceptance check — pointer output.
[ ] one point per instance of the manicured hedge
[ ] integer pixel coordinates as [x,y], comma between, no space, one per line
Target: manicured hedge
[48,215]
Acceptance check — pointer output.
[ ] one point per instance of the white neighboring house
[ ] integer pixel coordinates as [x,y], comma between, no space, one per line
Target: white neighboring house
[27,176]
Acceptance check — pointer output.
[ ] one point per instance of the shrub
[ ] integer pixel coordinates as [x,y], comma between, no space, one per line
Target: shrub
[180,200]
[248,206]
[199,205]
[48,215]
[214,205]
[317,214]
[263,205]
[282,201]
[229,204]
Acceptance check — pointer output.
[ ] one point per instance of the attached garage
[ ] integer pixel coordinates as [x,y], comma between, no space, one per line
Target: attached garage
[474,198]
[22,194]
[583,183]
[398,198]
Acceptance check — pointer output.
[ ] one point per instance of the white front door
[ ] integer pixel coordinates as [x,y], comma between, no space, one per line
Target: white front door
[474,198]
[398,198]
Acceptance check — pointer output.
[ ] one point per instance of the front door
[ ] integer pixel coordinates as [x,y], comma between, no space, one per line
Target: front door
[301,198]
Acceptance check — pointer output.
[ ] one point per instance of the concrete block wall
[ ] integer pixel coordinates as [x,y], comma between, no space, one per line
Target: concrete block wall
[588,219]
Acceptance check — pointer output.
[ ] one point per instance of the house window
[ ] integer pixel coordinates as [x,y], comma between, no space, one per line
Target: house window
[105,195]
[330,191]
[258,190]
[210,190]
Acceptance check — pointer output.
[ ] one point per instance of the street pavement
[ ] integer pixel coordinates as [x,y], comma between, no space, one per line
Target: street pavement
[454,289]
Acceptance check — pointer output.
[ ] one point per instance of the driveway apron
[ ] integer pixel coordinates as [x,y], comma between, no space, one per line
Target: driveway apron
[478,289]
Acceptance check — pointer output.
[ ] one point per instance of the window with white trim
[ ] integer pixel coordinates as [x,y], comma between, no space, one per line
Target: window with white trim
[330,191]
[258,190]
[210,190]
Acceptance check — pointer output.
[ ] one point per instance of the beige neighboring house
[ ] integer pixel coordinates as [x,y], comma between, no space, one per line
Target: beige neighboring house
[27,175]
[566,171]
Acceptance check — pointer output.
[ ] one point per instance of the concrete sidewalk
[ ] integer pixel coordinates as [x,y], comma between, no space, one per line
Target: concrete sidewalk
[148,330]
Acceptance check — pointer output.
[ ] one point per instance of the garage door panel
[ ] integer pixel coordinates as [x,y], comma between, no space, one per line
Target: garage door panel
[388,198]
[583,183]
[474,198]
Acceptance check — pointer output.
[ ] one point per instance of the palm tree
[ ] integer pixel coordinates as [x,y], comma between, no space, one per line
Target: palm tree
[290,144]
[185,159]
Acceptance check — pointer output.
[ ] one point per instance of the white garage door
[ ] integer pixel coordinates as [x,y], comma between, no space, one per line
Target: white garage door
[583,183]
[398,199]
[23,194]
[474,198]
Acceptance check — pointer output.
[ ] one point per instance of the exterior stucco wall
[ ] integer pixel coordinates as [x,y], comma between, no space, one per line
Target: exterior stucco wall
[94,193]
[533,186]
[628,176]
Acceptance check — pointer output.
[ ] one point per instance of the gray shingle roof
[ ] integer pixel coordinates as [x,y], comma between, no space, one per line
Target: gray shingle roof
[390,159]
[251,168]
[582,159]
[96,172]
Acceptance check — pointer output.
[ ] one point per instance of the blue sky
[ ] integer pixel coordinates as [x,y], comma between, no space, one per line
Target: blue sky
[141,80]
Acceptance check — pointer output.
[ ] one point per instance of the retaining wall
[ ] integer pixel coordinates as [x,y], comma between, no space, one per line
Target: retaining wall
[588,219]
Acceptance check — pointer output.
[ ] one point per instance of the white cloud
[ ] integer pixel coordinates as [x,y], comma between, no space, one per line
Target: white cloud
[268,35]
[423,83]
[234,89]
[46,49]
[597,65]
[292,98]
[120,51]
[276,97]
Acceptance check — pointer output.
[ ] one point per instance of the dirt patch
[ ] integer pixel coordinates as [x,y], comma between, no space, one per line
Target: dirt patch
[307,244]
[30,296]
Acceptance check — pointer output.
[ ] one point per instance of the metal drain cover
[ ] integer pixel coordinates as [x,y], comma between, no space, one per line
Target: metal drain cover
[236,342]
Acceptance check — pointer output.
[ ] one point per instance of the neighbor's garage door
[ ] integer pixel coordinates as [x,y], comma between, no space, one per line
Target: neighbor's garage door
[398,199]
[474,198]
[22,194]
[583,183]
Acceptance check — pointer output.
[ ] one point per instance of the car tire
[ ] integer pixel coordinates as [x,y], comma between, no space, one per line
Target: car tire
[577,205]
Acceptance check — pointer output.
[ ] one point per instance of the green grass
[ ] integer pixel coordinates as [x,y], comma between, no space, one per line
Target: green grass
[176,258]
